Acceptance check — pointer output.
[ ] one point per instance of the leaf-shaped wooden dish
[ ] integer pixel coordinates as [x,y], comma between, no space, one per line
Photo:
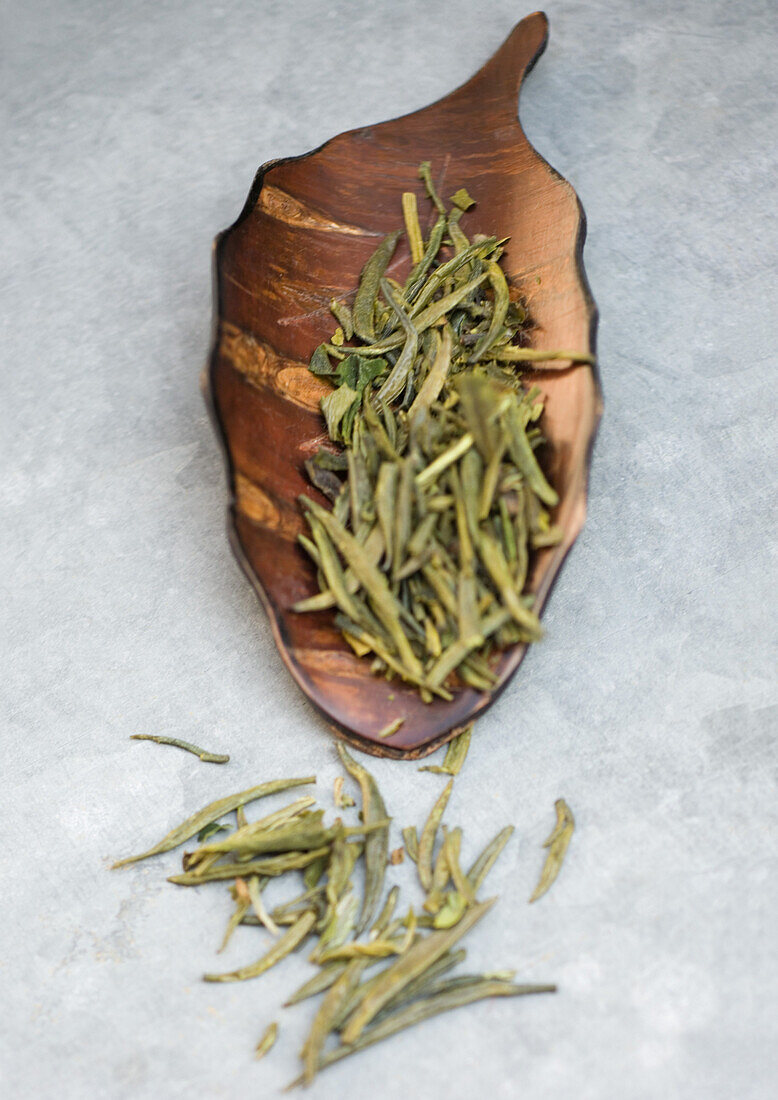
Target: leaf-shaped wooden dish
[308,226]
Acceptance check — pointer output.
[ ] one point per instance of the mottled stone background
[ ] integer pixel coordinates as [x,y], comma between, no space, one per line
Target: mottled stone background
[131,132]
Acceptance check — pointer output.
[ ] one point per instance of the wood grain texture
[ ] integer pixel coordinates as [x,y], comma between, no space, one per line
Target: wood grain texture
[307,228]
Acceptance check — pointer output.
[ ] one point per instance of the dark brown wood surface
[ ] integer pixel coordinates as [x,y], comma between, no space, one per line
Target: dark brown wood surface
[307,228]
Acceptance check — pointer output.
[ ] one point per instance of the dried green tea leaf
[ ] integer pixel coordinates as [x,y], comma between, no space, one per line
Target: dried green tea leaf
[342,315]
[414,962]
[428,834]
[269,1036]
[557,844]
[254,887]
[412,227]
[411,842]
[439,499]
[335,406]
[283,947]
[213,811]
[489,857]
[391,728]
[369,281]
[273,866]
[202,754]
[340,798]
[320,363]
[425,173]
[242,905]
[451,911]
[424,1009]
[211,829]
[381,923]
[324,1021]
[456,753]
[377,842]
[461,199]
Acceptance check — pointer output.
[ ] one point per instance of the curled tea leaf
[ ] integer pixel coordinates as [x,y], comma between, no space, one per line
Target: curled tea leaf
[201,754]
[557,844]
[411,842]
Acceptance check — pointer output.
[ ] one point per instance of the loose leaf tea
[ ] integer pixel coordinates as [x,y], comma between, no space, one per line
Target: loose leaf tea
[428,834]
[278,951]
[557,844]
[213,811]
[267,1041]
[397,974]
[377,843]
[340,798]
[439,499]
[206,757]
[488,858]
[408,967]
[436,474]
[455,755]
[424,1009]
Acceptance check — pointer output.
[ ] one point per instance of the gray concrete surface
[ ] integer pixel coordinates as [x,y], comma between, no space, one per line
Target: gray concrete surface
[131,132]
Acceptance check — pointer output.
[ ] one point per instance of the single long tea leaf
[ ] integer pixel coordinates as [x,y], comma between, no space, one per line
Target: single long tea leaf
[376,843]
[456,752]
[488,857]
[269,1036]
[557,844]
[367,292]
[212,812]
[428,834]
[201,754]
[278,951]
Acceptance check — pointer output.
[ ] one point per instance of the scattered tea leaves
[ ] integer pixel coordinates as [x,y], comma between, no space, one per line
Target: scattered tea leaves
[213,811]
[409,966]
[439,498]
[440,468]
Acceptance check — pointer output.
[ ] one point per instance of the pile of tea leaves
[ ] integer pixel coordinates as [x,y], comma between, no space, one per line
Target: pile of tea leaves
[438,497]
[380,970]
